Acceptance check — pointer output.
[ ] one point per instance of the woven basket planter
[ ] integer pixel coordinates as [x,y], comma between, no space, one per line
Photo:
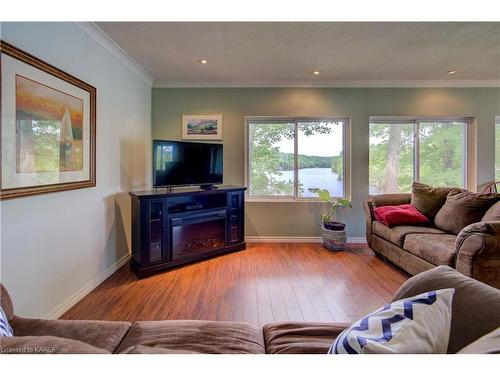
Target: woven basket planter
[334,239]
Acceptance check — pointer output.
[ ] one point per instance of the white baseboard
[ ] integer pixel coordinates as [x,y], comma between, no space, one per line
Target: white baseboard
[298,239]
[356,240]
[75,298]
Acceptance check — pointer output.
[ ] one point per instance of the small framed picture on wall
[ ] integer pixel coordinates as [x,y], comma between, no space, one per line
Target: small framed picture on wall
[199,127]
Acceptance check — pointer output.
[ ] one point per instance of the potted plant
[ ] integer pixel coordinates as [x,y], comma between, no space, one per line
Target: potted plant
[334,233]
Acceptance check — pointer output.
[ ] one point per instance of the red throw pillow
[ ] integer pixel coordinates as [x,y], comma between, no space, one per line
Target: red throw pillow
[404,214]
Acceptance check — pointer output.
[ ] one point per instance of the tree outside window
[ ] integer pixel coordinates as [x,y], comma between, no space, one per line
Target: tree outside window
[401,152]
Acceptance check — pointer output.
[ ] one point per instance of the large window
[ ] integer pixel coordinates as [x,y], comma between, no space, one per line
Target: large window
[289,156]
[497,148]
[429,151]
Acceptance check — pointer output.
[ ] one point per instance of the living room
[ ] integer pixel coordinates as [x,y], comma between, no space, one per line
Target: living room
[250,187]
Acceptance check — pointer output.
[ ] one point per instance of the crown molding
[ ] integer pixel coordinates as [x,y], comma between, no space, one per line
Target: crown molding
[327,84]
[110,45]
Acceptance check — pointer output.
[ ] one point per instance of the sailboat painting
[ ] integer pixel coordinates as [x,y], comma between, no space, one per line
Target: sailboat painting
[49,129]
[47,126]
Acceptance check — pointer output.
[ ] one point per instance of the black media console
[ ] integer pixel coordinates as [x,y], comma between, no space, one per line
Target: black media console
[174,227]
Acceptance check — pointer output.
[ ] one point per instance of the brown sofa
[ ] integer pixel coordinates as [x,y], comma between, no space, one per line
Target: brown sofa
[475,313]
[474,251]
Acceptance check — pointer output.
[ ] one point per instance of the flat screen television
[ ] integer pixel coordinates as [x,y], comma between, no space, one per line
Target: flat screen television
[186,163]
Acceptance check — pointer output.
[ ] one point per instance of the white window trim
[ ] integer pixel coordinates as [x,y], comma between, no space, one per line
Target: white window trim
[469,159]
[346,133]
[496,126]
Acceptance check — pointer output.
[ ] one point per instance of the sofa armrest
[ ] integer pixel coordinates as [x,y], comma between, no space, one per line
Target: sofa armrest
[369,217]
[477,250]
[380,200]
[475,305]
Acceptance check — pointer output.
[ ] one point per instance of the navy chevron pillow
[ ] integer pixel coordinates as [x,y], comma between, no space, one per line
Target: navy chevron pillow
[419,324]
[5,328]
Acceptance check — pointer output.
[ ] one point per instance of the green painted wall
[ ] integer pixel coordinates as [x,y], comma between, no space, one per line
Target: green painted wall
[302,219]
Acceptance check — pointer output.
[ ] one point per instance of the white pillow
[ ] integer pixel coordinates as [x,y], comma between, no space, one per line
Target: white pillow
[5,328]
[415,325]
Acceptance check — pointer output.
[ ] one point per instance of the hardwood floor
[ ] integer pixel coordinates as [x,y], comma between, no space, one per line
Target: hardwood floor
[266,283]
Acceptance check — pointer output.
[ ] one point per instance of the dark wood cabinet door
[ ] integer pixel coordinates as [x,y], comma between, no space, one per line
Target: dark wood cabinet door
[235,217]
[155,246]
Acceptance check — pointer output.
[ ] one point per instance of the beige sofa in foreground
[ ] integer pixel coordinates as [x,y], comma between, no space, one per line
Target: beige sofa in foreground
[476,313]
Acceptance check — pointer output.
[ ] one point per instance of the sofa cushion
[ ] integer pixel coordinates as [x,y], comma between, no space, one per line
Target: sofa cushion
[397,234]
[197,336]
[428,199]
[6,302]
[102,334]
[493,213]
[488,344]
[403,259]
[301,338]
[475,305]
[46,345]
[463,208]
[438,249]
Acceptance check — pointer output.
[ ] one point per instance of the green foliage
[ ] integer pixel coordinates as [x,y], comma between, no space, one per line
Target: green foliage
[329,205]
[337,165]
[40,139]
[309,161]
[267,162]
[46,145]
[265,159]
[441,155]
[378,157]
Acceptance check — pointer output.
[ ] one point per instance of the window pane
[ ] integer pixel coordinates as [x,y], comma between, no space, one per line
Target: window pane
[497,150]
[270,150]
[391,158]
[320,158]
[442,153]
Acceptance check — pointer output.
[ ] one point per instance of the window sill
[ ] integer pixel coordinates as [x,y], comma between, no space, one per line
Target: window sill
[284,200]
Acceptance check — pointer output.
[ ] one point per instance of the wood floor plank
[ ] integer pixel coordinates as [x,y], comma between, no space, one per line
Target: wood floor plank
[295,315]
[277,303]
[267,282]
[250,307]
[306,307]
[336,311]
[325,316]
[265,313]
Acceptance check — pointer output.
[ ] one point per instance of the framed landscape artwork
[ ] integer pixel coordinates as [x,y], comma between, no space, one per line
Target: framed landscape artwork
[199,127]
[47,126]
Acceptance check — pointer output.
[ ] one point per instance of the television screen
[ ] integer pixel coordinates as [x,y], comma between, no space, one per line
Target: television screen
[186,163]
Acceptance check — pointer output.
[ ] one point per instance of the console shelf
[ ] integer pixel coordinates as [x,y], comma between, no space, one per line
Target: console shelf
[184,225]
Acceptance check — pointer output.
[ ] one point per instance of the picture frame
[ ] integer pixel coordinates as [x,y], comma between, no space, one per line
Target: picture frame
[48,127]
[199,127]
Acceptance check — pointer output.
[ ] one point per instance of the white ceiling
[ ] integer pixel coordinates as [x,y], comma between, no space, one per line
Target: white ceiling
[285,53]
